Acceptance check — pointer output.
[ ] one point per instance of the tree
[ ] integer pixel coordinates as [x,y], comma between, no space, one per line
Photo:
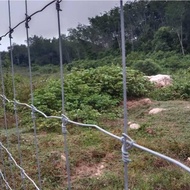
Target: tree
[165,39]
[175,14]
[20,56]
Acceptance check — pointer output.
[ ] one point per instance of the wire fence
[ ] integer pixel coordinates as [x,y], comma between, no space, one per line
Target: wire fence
[7,158]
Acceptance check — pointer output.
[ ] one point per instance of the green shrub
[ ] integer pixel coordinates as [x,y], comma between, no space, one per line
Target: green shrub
[180,89]
[181,85]
[165,39]
[173,63]
[170,61]
[133,57]
[46,69]
[111,59]
[87,63]
[147,66]
[163,94]
[90,92]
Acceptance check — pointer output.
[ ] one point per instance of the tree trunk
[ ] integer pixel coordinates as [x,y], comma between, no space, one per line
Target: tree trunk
[132,40]
[119,42]
[180,37]
[181,43]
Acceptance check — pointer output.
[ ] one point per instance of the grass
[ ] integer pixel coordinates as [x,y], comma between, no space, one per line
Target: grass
[95,158]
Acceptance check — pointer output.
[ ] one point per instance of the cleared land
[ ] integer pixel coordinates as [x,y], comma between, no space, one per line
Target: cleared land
[96,158]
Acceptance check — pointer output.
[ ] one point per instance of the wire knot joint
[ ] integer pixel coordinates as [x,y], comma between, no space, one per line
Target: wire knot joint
[10,33]
[28,19]
[3,102]
[15,107]
[58,5]
[127,143]
[22,174]
[64,123]
[33,112]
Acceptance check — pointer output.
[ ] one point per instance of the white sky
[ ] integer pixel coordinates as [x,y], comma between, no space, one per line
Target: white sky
[45,23]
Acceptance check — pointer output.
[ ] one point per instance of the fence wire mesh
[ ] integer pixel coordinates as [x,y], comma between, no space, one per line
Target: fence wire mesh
[10,177]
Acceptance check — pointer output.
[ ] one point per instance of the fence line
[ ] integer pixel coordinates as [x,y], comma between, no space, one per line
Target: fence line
[126,141]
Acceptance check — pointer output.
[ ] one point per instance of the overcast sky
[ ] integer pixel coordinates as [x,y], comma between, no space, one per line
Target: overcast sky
[45,23]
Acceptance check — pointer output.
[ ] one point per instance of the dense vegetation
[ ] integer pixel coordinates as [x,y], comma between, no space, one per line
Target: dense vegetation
[156,42]
[90,92]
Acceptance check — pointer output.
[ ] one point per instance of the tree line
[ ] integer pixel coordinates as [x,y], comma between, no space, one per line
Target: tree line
[149,26]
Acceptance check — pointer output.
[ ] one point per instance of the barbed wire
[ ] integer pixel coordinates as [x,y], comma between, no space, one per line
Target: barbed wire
[6,183]
[28,18]
[18,166]
[124,138]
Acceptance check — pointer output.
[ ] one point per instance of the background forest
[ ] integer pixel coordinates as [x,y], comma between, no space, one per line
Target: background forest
[150,26]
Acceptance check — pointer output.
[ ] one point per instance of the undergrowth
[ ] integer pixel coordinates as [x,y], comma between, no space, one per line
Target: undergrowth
[95,158]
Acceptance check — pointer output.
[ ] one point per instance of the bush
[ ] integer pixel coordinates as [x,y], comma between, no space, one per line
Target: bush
[90,92]
[170,61]
[111,59]
[87,63]
[181,85]
[147,66]
[165,39]
[180,89]
[133,57]
[163,94]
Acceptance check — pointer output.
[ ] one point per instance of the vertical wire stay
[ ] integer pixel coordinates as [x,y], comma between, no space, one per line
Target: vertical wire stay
[1,156]
[64,131]
[1,184]
[14,93]
[32,96]
[3,167]
[3,101]
[5,120]
[124,89]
